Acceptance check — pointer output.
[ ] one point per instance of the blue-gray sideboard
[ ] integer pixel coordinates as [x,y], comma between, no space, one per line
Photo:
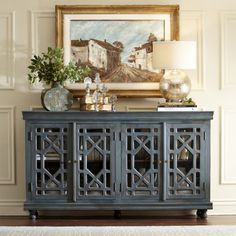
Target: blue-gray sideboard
[117,161]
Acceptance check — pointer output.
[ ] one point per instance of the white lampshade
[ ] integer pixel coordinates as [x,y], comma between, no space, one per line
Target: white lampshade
[174,55]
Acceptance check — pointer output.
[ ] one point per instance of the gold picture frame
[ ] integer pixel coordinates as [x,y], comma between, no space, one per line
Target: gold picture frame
[72,20]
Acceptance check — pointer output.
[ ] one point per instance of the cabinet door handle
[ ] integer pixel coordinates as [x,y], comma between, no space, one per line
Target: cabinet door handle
[30,187]
[30,136]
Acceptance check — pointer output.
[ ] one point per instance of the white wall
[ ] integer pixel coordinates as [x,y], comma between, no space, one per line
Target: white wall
[28,27]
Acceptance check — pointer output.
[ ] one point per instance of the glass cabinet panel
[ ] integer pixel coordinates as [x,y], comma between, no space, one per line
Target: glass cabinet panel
[50,161]
[95,156]
[185,161]
[141,161]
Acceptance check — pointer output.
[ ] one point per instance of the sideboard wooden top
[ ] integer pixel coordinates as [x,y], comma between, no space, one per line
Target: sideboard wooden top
[117,116]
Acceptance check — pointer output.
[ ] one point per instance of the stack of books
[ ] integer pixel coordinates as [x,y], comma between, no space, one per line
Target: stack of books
[87,104]
[177,107]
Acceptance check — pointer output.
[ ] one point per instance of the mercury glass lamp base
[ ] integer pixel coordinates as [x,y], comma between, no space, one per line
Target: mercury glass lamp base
[175,86]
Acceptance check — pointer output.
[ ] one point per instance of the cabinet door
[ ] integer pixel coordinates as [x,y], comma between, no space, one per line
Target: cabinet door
[95,158]
[49,161]
[141,160]
[185,161]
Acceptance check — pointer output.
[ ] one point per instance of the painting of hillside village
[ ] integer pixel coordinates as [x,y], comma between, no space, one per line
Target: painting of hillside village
[120,51]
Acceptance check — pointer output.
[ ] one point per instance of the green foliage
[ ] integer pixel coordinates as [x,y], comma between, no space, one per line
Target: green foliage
[50,68]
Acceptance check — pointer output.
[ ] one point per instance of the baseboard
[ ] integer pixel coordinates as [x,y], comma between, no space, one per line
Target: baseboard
[223,207]
[220,207]
[12,207]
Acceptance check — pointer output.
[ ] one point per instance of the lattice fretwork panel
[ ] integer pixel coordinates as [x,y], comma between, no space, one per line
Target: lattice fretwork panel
[185,147]
[51,158]
[95,161]
[141,161]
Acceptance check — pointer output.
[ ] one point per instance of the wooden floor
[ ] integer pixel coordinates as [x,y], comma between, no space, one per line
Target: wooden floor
[110,221]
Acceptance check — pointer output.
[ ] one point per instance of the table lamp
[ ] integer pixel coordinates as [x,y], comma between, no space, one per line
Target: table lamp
[174,56]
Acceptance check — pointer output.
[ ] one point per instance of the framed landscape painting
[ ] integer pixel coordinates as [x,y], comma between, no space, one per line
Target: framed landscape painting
[116,42]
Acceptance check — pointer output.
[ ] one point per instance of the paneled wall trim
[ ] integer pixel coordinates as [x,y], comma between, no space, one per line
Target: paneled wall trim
[192,28]
[228,161]
[228,49]
[36,35]
[38,22]
[7,145]
[7,50]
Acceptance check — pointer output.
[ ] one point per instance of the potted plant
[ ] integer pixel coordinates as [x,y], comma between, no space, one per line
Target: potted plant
[50,69]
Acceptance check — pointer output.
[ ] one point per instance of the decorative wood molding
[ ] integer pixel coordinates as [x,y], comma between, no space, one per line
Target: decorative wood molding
[223,207]
[7,79]
[35,17]
[12,207]
[228,116]
[4,202]
[227,63]
[10,177]
[32,108]
[197,19]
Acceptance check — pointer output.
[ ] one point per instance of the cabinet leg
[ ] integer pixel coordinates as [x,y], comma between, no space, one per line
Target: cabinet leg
[202,213]
[33,214]
[117,214]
